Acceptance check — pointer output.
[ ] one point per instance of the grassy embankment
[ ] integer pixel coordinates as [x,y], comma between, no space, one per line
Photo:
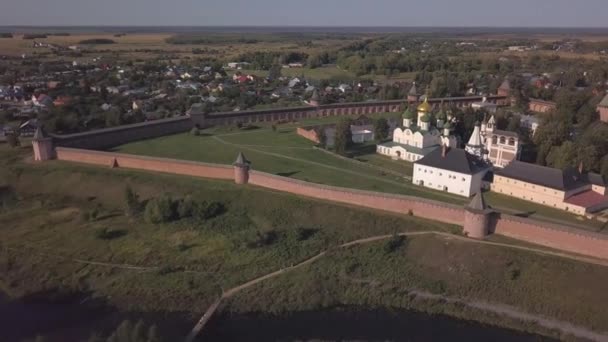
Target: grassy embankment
[44,233]
[46,230]
[287,154]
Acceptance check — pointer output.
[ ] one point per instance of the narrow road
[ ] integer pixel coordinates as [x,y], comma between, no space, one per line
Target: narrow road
[497,308]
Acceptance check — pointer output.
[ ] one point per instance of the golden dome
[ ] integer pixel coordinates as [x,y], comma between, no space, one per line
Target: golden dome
[424,106]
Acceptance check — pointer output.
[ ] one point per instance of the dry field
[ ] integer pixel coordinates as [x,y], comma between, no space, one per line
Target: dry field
[135,45]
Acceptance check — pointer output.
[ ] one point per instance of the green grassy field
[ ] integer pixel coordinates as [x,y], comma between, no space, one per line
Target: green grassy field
[283,153]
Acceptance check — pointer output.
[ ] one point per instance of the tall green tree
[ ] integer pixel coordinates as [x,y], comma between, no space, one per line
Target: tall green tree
[381,129]
[343,139]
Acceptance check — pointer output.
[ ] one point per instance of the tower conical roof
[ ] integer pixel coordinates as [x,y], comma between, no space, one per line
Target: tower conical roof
[241,160]
[413,91]
[505,85]
[478,203]
[39,135]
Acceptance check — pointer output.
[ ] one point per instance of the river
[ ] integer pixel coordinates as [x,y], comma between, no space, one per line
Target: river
[74,318]
[355,324]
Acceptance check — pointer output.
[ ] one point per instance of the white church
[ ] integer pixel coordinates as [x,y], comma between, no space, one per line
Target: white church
[416,140]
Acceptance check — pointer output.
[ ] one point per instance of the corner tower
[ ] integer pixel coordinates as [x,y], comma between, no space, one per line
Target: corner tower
[43,146]
[477,218]
[241,169]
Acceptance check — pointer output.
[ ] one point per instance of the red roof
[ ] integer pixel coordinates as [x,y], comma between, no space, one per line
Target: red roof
[242,79]
[587,199]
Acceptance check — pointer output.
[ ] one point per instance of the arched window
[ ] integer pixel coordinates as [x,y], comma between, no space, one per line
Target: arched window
[502,140]
[494,140]
[512,141]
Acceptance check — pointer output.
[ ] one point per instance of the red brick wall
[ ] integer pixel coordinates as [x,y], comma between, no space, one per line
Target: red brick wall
[603,113]
[308,134]
[555,236]
[394,203]
[181,167]
[541,233]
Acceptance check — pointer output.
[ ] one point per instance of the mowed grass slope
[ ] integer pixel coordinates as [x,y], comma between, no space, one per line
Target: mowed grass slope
[283,153]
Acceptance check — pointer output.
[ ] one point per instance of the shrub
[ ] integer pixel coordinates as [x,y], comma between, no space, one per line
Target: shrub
[263,239]
[13,140]
[410,212]
[159,210]
[133,206]
[394,243]
[30,36]
[6,35]
[8,197]
[109,234]
[195,131]
[302,234]
[185,207]
[97,41]
[204,210]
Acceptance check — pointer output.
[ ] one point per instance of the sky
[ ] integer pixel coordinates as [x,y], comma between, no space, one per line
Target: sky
[503,13]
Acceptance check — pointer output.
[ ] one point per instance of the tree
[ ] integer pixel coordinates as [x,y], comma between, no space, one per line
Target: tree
[159,210]
[381,129]
[132,203]
[13,140]
[321,136]
[562,156]
[275,72]
[344,137]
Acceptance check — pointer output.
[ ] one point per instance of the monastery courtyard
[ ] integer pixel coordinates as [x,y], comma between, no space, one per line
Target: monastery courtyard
[283,152]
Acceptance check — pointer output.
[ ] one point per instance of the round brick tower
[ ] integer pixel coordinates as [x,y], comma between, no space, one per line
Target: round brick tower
[43,146]
[241,169]
[477,218]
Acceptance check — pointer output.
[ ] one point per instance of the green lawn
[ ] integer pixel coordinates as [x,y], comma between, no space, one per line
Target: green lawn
[282,153]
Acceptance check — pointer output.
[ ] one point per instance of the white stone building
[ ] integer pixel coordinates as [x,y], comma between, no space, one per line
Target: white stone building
[414,141]
[451,170]
[501,146]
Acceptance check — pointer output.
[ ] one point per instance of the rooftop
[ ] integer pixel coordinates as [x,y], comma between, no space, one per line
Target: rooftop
[455,159]
[587,199]
[563,180]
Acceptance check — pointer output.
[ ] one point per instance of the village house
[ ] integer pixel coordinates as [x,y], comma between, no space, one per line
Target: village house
[602,108]
[541,106]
